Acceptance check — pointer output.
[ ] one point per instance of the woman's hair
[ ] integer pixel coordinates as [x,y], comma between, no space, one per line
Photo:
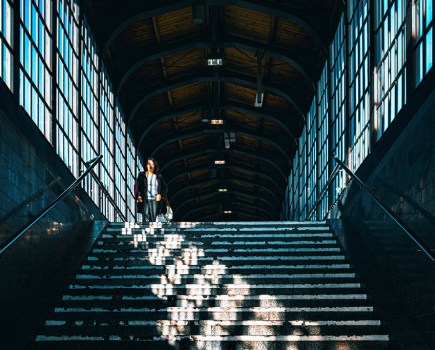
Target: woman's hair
[156,165]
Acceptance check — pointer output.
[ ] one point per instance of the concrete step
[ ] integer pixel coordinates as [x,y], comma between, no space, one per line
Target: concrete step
[223,259]
[199,251]
[371,342]
[187,226]
[213,278]
[223,235]
[154,242]
[225,327]
[180,269]
[214,313]
[140,328]
[225,301]
[215,286]
[207,289]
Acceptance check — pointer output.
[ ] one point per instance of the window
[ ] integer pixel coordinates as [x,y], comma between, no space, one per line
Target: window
[338,98]
[294,212]
[67,89]
[120,157]
[6,42]
[302,190]
[35,63]
[107,141]
[422,33]
[312,157]
[67,93]
[322,139]
[89,108]
[360,80]
[131,176]
[390,71]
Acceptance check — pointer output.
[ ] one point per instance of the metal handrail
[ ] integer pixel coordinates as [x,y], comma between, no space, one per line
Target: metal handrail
[33,197]
[393,216]
[11,240]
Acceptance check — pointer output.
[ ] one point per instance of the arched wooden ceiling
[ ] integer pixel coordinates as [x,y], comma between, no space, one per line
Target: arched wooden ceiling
[156,54]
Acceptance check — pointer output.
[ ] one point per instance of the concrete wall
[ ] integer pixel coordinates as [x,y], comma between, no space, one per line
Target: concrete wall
[401,172]
[31,177]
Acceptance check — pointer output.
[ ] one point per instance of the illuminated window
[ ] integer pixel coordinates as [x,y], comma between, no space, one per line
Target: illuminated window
[36,69]
[311,156]
[390,56]
[120,157]
[338,98]
[89,108]
[6,42]
[322,140]
[130,177]
[422,34]
[359,81]
[302,195]
[67,89]
[107,142]
[294,188]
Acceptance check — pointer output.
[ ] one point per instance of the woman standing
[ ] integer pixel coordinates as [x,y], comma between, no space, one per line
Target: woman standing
[150,189]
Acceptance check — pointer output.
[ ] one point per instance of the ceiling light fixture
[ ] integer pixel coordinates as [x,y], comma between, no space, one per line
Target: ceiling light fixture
[198,14]
[219,161]
[223,190]
[229,138]
[217,121]
[215,62]
[228,212]
[259,99]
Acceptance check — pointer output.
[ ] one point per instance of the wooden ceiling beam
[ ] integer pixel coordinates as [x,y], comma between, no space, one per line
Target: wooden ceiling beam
[262,203]
[201,131]
[226,76]
[156,119]
[226,182]
[275,167]
[202,42]
[264,177]
[235,207]
[271,8]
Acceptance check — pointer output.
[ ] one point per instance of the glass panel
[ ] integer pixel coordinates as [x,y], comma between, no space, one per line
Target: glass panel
[428,12]
[390,65]
[429,50]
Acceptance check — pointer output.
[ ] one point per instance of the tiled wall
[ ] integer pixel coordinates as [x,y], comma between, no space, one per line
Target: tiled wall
[403,176]
[31,177]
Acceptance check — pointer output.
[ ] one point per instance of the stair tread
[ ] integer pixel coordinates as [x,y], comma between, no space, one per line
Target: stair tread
[214,284]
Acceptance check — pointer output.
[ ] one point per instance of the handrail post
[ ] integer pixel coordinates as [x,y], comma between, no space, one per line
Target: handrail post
[11,240]
[393,216]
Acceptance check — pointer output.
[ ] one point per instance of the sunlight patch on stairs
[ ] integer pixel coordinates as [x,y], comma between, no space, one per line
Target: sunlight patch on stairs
[207,285]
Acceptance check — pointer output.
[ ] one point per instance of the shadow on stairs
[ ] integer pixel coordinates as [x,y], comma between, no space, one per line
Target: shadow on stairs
[247,285]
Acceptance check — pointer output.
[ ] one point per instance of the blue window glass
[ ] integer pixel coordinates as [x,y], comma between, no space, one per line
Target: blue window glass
[423,36]
[6,42]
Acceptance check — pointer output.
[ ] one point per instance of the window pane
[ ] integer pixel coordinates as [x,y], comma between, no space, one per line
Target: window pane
[429,50]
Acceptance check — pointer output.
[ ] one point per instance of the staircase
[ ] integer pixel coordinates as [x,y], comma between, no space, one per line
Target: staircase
[268,285]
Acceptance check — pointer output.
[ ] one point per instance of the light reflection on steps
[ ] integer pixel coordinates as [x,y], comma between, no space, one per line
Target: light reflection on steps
[254,284]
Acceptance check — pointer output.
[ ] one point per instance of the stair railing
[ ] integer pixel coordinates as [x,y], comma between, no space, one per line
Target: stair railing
[29,200]
[393,216]
[92,163]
